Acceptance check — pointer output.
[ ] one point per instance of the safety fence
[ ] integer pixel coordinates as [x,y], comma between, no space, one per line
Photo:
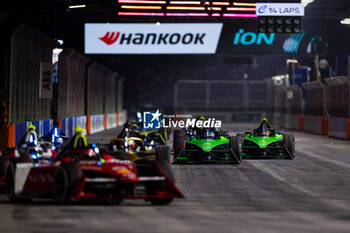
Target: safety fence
[325,109]
[71,86]
[221,94]
[339,121]
[86,87]
[91,124]
[83,93]
[30,51]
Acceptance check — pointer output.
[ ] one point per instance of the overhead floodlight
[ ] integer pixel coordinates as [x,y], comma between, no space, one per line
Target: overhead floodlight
[345,21]
[306,2]
[76,6]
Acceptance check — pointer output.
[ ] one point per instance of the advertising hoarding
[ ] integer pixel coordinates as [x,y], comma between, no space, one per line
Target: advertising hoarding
[151,38]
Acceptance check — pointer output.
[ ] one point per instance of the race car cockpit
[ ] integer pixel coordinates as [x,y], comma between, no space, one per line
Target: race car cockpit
[36,149]
[78,147]
[264,130]
[208,134]
[56,136]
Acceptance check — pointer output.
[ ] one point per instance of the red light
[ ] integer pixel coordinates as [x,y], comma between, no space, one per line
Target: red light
[142,2]
[141,7]
[185,8]
[186,2]
[66,160]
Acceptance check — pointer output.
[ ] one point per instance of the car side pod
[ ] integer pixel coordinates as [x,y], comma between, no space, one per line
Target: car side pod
[236,148]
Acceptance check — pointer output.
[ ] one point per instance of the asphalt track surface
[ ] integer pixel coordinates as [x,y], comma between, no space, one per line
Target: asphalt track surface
[308,194]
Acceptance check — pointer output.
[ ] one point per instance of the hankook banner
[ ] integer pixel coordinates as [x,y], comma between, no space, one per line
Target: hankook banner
[213,38]
[151,38]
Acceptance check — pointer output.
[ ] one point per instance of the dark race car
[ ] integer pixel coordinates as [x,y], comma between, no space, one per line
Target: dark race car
[133,146]
[266,142]
[206,146]
[134,140]
[56,137]
[81,172]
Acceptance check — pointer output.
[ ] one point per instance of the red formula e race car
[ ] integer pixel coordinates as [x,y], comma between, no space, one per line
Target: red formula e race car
[81,172]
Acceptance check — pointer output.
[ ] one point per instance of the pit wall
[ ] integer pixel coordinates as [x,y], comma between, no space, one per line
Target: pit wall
[91,124]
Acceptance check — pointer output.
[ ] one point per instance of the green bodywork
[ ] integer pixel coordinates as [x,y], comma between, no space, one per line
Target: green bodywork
[262,142]
[207,145]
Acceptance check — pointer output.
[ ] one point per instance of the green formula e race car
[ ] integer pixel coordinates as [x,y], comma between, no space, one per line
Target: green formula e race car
[265,142]
[206,146]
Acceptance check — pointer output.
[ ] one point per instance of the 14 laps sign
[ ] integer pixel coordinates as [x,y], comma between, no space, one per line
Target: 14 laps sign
[280,9]
[150,38]
[45,89]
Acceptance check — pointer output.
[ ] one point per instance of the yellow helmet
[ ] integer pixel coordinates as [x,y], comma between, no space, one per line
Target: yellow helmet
[79,130]
[202,118]
[265,119]
[31,127]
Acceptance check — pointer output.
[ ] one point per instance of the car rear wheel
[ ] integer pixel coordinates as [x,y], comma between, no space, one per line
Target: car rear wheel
[66,178]
[236,149]
[163,156]
[289,144]
[3,165]
[179,143]
[10,182]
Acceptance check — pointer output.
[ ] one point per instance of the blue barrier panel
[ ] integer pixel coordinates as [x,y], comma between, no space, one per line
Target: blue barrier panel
[46,126]
[97,123]
[81,121]
[20,130]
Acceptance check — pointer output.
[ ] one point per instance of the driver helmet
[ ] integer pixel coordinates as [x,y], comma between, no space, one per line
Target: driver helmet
[31,138]
[211,135]
[265,133]
[79,138]
[58,141]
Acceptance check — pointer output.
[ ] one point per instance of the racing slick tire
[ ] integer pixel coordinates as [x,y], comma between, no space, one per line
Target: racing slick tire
[179,143]
[3,165]
[236,149]
[66,179]
[289,144]
[163,156]
[163,133]
[10,182]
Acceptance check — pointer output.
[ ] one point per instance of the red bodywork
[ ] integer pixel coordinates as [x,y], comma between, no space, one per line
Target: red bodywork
[103,178]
